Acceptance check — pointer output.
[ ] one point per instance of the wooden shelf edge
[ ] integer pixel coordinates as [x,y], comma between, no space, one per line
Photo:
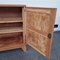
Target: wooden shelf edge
[11,30]
[12,46]
[11,21]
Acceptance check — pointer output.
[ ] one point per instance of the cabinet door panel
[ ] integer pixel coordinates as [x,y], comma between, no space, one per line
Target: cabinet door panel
[39,29]
[38,42]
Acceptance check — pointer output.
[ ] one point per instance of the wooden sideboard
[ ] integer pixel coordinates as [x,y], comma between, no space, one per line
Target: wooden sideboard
[21,25]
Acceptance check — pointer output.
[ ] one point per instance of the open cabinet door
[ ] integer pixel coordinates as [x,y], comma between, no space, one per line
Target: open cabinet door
[39,29]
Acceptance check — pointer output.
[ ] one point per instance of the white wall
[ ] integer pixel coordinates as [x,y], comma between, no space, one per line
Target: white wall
[38,3]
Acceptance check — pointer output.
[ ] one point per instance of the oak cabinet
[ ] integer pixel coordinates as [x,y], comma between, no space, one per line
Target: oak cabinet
[21,25]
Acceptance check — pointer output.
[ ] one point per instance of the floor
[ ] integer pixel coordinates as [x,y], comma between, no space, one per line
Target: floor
[31,54]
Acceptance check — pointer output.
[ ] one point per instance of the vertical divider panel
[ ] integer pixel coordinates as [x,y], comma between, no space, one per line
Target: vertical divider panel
[24,28]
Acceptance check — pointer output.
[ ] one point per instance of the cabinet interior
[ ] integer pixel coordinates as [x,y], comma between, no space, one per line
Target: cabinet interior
[10,12]
[11,27]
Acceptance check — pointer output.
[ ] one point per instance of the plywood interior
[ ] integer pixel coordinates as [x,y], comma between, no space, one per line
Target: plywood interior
[10,39]
[8,12]
[16,24]
[11,28]
[10,20]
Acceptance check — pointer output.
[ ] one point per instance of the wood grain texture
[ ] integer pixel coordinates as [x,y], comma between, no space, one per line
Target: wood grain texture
[21,25]
[40,22]
[11,42]
[12,5]
[24,29]
[11,30]
[11,27]
[10,20]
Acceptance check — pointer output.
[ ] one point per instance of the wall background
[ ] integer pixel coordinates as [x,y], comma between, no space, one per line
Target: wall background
[39,3]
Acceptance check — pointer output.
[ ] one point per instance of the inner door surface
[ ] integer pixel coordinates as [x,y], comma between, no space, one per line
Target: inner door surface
[39,29]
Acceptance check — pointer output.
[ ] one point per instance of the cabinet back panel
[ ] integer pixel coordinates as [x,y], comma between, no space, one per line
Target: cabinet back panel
[10,12]
[11,25]
[10,38]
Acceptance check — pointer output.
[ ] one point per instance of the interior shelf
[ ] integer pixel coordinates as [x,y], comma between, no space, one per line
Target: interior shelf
[11,42]
[10,46]
[10,20]
[10,30]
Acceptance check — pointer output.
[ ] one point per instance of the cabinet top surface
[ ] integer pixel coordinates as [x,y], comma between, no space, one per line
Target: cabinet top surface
[22,5]
[12,5]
